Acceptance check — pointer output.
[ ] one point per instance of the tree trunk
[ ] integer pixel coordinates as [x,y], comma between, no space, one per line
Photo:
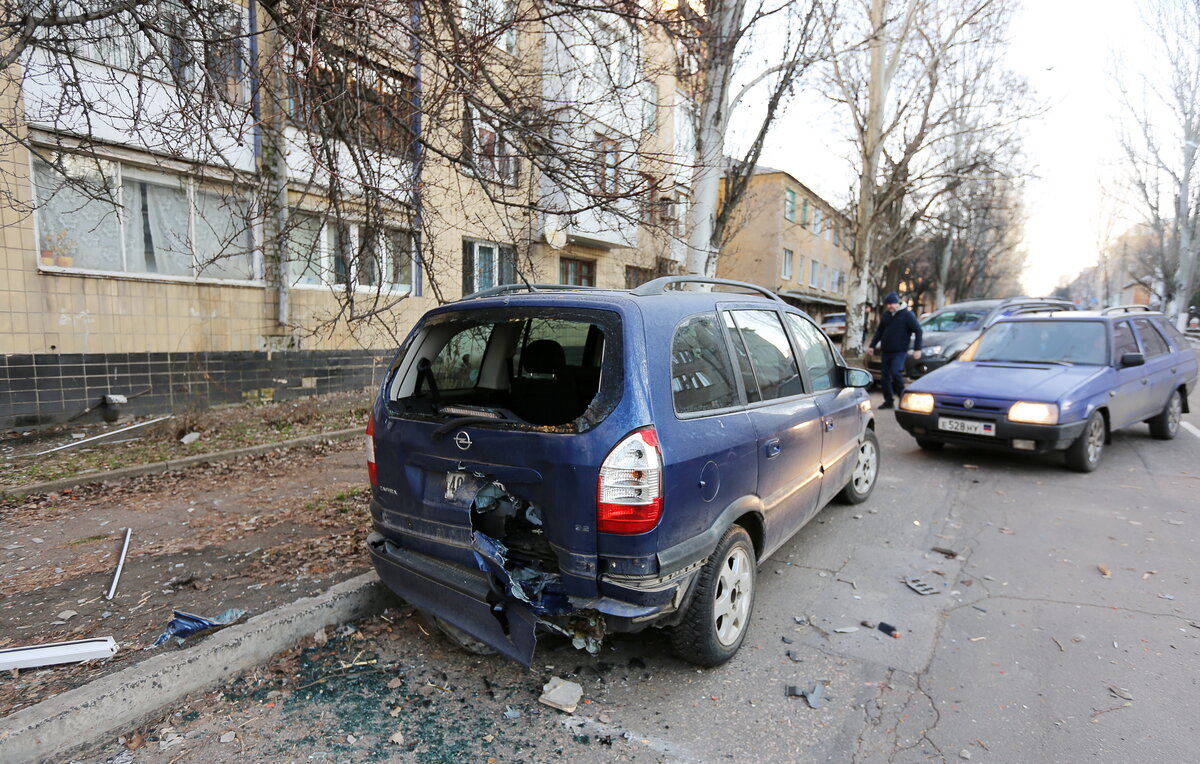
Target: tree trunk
[710,140]
[864,223]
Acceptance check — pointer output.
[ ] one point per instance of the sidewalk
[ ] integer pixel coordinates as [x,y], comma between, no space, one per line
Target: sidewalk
[252,533]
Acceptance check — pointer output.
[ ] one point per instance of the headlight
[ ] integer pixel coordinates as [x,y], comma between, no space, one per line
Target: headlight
[932,350]
[920,403]
[1033,413]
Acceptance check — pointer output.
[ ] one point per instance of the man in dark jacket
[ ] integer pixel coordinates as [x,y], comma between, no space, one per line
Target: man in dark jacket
[896,326]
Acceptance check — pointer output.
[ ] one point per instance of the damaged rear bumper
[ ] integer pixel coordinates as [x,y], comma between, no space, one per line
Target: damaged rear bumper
[459,595]
[491,606]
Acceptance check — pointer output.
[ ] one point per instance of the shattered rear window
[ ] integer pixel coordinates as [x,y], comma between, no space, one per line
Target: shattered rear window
[537,366]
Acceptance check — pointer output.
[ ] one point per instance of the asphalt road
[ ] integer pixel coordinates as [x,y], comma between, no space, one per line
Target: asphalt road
[1066,630]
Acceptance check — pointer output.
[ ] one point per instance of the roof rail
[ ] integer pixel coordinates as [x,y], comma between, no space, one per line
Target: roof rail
[507,288]
[1041,309]
[1127,309]
[1022,298]
[659,286]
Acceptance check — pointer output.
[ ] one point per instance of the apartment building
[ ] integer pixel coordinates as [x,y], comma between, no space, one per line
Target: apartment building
[186,251]
[785,237]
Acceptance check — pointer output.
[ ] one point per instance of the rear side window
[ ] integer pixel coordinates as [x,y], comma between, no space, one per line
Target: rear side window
[770,353]
[1178,341]
[743,359]
[1155,344]
[815,352]
[456,366]
[1123,340]
[701,375]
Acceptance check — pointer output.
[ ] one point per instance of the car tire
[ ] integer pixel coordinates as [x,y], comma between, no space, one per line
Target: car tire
[1083,455]
[866,472]
[929,445]
[718,617]
[1165,424]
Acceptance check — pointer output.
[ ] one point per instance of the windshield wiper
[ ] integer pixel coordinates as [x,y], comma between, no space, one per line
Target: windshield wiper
[1021,360]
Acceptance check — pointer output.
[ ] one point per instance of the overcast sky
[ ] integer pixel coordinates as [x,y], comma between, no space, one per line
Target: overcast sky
[1067,50]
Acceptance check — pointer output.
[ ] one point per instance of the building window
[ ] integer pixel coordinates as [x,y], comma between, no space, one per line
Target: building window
[321,252]
[814,274]
[492,20]
[608,160]
[489,152]
[789,204]
[335,98]
[788,256]
[487,264]
[108,216]
[837,236]
[804,212]
[635,277]
[650,107]
[816,221]
[577,272]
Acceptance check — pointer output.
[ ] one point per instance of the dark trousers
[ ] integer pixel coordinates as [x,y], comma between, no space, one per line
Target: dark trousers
[892,376]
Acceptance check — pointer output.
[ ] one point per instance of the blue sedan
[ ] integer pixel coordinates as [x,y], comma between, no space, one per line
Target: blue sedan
[1058,382]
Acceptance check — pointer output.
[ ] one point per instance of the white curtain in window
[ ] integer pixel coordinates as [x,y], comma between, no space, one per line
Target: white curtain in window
[224,237]
[156,228]
[73,224]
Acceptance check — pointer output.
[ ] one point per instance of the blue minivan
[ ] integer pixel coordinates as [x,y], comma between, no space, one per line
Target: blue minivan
[588,461]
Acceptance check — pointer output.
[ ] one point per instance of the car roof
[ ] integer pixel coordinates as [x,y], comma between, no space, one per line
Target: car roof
[652,298]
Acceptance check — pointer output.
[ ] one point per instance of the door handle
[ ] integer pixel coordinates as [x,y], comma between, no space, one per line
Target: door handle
[1145,381]
[828,421]
[772,448]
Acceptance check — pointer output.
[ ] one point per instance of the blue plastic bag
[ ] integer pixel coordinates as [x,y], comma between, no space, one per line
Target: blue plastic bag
[186,624]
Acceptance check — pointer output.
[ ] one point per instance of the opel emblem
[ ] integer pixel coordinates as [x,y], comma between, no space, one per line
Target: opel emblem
[967,404]
[462,440]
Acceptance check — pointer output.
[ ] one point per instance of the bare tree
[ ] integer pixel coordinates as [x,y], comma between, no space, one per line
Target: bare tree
[727,51]
[1161,141]
[928,76]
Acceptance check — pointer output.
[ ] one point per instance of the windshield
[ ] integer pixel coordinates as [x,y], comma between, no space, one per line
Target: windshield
[953,320]
[1066,342]
[834,318]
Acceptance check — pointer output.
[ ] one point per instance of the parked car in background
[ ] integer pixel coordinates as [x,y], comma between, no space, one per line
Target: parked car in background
[1062,382]
[946,333]
[834,326]
[539,463]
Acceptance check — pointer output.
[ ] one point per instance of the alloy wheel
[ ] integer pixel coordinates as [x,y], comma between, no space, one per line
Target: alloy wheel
[1174,413]
[866,467]
[732,596]
[1095,439]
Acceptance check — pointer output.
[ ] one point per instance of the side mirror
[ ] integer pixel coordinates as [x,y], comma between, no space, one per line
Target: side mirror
[857,378]
[1132,359]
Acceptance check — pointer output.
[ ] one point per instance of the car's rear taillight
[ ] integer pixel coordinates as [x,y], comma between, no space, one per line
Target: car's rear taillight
[629,489]
[371,451]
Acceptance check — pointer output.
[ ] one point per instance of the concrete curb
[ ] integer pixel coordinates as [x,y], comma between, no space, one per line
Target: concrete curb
[115,703]
[174,464]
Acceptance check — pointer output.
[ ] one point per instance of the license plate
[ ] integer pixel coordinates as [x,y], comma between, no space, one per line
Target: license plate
[454,482]
[967,426]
